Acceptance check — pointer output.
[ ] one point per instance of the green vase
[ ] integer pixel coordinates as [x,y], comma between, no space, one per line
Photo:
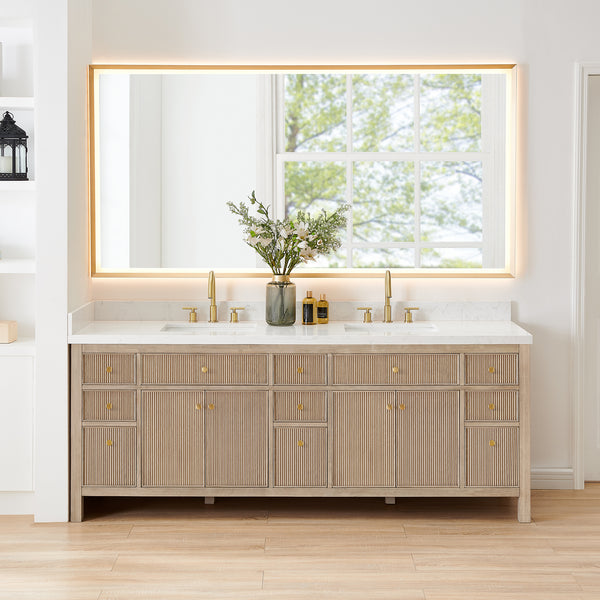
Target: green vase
[280,305]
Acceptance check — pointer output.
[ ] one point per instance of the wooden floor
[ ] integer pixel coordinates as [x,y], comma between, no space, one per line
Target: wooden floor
[351,549]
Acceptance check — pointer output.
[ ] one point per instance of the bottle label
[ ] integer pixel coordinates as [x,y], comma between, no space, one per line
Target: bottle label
[307,313]
[322,312]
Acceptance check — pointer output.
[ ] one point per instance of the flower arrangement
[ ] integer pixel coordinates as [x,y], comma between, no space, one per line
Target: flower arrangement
[284,244]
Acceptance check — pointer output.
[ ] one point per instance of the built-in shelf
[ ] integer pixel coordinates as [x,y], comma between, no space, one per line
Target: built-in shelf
[17,265]
[17,186]
[7,102]
[24,346]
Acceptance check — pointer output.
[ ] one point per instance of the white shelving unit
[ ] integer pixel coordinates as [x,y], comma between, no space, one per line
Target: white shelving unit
[17,266]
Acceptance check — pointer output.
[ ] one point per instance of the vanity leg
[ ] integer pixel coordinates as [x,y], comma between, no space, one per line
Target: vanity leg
[209,499]
[524,509]
[76,508]
[390,500]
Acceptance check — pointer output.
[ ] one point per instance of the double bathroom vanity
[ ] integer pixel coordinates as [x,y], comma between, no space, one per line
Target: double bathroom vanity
[161,407]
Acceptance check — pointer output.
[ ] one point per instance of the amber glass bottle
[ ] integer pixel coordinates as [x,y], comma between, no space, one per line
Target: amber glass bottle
[322,310]
[309,310]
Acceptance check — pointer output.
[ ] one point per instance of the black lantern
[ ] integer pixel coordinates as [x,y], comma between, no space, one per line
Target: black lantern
[13,150]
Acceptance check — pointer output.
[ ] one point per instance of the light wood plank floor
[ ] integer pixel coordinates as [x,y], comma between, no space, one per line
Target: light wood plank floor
[351,549]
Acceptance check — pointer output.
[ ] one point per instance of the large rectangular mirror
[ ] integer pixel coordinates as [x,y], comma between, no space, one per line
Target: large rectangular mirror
[424,156]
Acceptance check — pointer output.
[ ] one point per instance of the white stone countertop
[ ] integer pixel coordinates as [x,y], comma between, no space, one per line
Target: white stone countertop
[334,333]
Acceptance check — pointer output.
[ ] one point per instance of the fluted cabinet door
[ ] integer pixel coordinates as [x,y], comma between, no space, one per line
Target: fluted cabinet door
[172,439]
[236,439]
[364,437]
[428,439]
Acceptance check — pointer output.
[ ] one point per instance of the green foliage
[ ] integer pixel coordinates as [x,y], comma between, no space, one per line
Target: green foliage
[284,244]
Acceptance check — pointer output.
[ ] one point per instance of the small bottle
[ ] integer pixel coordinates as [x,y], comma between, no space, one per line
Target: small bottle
[322,310]
[309,310]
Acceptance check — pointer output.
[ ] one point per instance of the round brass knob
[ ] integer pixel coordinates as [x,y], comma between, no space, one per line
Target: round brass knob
[402,407]
[492,406]
[300,370]
[389,407]
[395,369]
[492,369]
[204,369]
[492,443]
[211,407]
[109,369]
[109,406]
[300,406]
[198,406]
[109,442]
[300,443]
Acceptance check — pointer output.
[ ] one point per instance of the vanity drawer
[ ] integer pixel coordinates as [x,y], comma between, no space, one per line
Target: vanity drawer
[298,369]
[109,405]
[392,369]
[204,369]
[108,368]
[300,406]
[109,456]
[492,455]
[492,369]
[492,406]
[301,457]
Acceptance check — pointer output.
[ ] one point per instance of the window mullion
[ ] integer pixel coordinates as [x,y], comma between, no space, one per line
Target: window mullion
[349,175]
[417,135]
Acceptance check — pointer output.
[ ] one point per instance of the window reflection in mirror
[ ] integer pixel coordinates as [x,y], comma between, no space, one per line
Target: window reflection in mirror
[424,157]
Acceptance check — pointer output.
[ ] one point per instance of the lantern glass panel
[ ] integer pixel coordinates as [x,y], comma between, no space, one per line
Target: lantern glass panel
[21,159]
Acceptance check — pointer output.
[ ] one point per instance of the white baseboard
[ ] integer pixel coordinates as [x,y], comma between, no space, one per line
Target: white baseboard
[16,503]
[552,479]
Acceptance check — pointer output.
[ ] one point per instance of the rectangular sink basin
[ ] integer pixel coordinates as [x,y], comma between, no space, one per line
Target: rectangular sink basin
[390,328]
[210,328]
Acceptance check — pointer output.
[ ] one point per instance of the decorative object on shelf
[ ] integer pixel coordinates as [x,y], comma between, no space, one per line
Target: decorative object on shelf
[8,332]
[284,244]
[13,150]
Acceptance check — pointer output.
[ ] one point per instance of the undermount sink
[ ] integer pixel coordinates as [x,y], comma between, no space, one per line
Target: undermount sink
[389,328]
[210,328]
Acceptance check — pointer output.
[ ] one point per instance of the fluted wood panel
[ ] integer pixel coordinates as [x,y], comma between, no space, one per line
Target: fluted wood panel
[109,465]
[428,432]
[492,369]
[298,369]
[172,438]
[390,369]
[200,369]
[109,405]
[108,368]
[301,456]
[300,406]
[236,439]
[492,465]
[363,439]
[492,406]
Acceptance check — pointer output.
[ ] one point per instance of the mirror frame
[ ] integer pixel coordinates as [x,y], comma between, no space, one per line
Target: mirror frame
[508,271]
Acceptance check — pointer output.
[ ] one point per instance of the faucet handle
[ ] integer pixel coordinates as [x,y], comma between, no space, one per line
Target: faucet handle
[233,317]
[193,317]
[408,318]
[367,315]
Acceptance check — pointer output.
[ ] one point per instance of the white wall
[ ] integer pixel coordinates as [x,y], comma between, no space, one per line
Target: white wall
[545,37]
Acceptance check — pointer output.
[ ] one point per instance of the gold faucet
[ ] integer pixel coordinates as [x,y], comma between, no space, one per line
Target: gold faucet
[212,297]
[387,309]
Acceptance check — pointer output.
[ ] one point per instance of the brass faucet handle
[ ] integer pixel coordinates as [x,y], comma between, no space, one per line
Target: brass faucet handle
[193,317]
[233,317]
[367,315]
[408,318]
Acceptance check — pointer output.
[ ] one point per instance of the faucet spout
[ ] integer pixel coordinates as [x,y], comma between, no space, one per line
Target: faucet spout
[387,308]
[212,297]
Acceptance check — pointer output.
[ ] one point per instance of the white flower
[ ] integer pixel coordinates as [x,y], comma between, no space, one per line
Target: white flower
[252,240]
[264,241]
[281,243]
[302,231]
[308,254]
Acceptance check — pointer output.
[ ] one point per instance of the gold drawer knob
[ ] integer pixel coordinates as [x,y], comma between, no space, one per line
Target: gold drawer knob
[395,369]
[389,407]
[198,406]
[211,407]
[492,406]
[402,407]
[204,369]
[492,443]
[109,442]
[109,369]
[109,406]
[300,407]
[492,369]
[300,443]
[300,370]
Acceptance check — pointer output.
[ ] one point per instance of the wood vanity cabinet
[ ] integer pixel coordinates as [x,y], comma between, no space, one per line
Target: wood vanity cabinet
[286,420]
